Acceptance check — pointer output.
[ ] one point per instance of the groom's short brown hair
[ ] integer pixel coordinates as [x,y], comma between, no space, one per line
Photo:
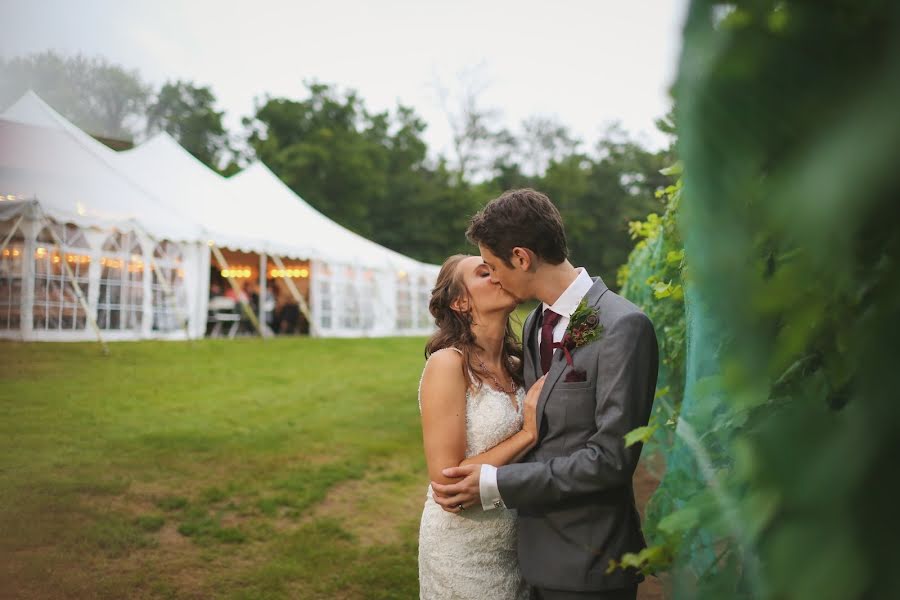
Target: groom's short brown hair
[523,218]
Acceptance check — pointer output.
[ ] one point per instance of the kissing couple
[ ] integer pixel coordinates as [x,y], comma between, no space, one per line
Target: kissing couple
[531,491]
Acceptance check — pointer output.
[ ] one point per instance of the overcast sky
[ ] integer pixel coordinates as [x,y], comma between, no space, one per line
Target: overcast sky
[587,63]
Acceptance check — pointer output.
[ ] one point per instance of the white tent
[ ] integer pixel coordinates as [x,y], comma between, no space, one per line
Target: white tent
[357,287]
[142,223]
[85,245]
[366,286]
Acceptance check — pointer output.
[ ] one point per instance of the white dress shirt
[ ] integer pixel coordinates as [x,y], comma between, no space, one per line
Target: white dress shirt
[564,306]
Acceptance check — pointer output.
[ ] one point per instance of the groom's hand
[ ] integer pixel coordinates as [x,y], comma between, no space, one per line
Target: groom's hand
[465,493]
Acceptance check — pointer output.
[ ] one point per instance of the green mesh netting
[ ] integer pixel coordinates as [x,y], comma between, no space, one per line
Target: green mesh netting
[779,475]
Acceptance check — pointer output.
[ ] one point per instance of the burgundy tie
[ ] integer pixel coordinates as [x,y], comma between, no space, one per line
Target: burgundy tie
[550,320]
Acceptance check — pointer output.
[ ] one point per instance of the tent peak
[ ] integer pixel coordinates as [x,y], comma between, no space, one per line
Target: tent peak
[31,109]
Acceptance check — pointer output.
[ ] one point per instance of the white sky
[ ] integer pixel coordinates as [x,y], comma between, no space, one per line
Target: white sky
[587,63]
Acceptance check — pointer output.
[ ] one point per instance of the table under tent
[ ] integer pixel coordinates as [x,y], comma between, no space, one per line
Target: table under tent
[253,228]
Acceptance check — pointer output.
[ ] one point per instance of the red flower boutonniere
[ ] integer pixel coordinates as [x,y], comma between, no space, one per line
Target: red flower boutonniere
[584,327]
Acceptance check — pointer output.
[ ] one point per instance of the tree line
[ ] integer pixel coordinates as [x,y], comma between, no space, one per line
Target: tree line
[372,171]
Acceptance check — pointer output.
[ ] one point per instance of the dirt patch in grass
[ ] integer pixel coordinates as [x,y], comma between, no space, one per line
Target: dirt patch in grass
[373,512]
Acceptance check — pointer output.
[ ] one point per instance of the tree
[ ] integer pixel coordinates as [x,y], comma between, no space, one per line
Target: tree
[186,112]
[544,140]
[319,149]
[101,98]
[479,143]
[367,171]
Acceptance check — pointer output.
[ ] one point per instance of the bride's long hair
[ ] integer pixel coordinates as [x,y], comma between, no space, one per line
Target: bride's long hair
[455,327]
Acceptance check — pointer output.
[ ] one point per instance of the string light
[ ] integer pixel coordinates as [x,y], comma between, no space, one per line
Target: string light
[293,273]
[237,272]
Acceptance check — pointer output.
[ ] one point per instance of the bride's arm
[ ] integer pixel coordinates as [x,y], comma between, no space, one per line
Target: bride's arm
[443,395]
[444,420]
[514,447]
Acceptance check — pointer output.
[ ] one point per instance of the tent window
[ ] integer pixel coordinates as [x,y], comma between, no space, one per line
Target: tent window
[351,308]
[121,299]
[424,297]
[404,301]
[368,296]
[169,301]
[326,302]
[56,306]
[11,277]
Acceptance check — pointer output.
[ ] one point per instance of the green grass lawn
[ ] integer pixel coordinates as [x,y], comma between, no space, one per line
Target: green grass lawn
[285,468]
[236,469]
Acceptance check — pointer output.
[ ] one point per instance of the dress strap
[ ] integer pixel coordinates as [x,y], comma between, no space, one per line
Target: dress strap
[455,348]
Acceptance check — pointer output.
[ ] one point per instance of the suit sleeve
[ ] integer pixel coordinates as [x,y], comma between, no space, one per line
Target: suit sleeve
[626,385]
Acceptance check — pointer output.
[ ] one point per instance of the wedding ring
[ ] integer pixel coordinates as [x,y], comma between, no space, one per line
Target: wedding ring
[460,507]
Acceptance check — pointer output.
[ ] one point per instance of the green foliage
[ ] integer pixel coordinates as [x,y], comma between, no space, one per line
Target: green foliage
[599,195]
[653,278]
[102,98]
[371,173]
[778,481]
[368,171]
[186,112]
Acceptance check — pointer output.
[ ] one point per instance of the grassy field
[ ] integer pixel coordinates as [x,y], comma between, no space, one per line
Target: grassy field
[287,468]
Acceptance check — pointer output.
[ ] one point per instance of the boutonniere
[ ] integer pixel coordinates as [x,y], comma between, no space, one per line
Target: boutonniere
[584,327]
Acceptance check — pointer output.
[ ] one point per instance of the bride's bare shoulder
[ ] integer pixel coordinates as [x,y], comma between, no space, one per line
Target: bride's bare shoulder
[445,363]
[443,359]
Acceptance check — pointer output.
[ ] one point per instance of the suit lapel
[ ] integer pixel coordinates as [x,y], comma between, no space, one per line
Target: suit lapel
[529,344]
[558,363]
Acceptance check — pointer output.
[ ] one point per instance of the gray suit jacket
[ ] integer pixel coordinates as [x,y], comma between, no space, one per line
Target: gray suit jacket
[573,491]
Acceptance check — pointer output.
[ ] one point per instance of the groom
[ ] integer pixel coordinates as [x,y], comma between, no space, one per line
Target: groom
[573,491]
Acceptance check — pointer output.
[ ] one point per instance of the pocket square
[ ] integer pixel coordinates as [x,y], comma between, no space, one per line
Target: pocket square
[575,376]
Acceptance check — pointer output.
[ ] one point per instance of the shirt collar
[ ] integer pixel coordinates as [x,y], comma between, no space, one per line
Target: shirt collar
[569,300]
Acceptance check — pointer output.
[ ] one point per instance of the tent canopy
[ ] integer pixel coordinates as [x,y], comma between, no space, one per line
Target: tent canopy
[74,178]
[295,225]
[181,182]
[253,211]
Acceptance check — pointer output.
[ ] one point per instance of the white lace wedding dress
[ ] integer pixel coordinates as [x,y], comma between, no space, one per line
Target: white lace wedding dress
[472,555]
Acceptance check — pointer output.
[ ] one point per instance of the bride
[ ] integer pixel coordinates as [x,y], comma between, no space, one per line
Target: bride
[474,411]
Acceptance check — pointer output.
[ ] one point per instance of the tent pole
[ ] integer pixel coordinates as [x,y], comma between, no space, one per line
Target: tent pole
[78,294]
[223,264]
[263,292]
[301,301]
[12,232]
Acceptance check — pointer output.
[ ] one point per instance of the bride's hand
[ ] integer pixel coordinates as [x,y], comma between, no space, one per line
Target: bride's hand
[530,410]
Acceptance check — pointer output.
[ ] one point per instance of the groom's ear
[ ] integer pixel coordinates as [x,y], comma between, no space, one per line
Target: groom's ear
[522,258]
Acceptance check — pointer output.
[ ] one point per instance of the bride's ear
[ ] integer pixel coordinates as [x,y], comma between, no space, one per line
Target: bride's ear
[460,305]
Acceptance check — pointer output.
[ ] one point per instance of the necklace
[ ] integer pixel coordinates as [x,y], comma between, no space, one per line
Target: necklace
[512,387]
